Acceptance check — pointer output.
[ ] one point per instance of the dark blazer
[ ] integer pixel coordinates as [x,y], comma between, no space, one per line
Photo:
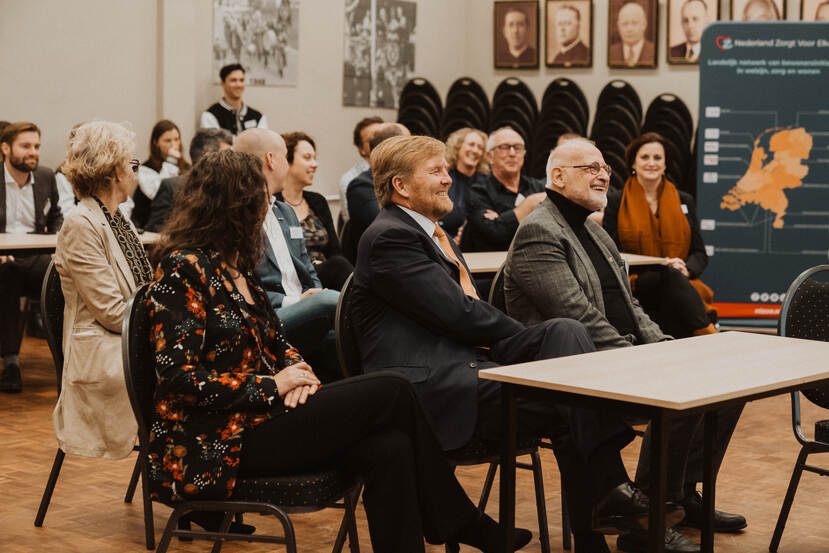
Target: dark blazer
[548,274]
[679,51]
[647,56]
[697,259]
[412,317]
[482,234]
[268,269]
[319,205]
[362,203]
[48,218]
[579,53]
[213,376]
[162,203]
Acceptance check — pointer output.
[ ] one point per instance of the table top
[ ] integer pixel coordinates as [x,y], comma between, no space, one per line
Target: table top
[679,374]
[10,242]
[490,262]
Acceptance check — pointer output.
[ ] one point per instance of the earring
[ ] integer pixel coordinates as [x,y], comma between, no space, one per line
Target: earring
[633,172]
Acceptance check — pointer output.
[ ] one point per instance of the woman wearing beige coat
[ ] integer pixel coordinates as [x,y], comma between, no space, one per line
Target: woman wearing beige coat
[101,262]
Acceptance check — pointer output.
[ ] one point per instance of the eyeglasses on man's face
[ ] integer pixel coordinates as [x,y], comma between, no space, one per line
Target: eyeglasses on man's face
[505,148]
[594,168]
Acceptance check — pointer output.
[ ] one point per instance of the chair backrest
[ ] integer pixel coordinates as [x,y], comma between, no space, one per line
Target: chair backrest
[347,242]
[805,314]
[496,292]
[347,350]
[139,362]
[51,310]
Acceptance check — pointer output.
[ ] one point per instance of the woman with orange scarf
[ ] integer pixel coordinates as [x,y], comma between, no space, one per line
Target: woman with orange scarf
[651,217]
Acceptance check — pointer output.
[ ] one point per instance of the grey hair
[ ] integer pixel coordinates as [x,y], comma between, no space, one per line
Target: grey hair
[556,160]
[208,140]
[490,142]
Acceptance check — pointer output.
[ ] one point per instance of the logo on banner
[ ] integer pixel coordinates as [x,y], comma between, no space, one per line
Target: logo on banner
[724,43]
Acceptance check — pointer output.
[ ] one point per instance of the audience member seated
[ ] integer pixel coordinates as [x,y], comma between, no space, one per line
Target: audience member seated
[28,204]
[467,166]
[561,264]
[504,199]
[231,113]
[66,193]
[312,211]
[363,131]
[205,140]
[165,161]
[651,217]
[256,409]
[362,203]
[101,262]
[288,276]
[418,313]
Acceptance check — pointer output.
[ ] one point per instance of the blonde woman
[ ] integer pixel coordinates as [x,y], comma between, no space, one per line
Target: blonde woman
[467,164]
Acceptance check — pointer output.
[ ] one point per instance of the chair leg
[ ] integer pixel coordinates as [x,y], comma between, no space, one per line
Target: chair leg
[149,528]
[566,538]
[485,491]
[172,524]
[50,487]
[224,528]
[540,503]
[348,525]
[136,472]
[787,502]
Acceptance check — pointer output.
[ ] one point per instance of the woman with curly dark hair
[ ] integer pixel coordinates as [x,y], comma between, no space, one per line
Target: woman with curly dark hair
[234,399]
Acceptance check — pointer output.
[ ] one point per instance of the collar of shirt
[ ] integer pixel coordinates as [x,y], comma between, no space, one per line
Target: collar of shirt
[634,51]
[426,224]
[10,179]
[290,279]
[693,49]
[242,112]
[565,49]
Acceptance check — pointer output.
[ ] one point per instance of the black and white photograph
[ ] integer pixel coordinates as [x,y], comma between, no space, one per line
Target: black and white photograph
[262,35]
[632,34]
[814,10]
[515,34]
[569,39]
[758,10]
[686,21]
[379,52]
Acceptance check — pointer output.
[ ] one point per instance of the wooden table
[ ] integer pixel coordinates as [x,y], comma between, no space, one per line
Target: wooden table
[490,262]
[662,381]
[45,243]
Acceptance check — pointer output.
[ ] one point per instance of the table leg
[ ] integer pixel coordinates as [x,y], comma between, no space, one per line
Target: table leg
[660,424]
[709,480]
[507,494]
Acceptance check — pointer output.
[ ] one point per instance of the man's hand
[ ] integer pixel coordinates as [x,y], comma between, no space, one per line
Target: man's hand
[6,259]
[528,204]
[678,264]
[310,292]
[490,214]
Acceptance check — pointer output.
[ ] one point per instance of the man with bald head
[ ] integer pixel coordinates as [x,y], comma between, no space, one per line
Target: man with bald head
[693,18]
[562,264]
[498,203]
[293,287]
[633,49]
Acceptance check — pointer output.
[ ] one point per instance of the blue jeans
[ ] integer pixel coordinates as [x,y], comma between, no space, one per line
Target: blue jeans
[309,326]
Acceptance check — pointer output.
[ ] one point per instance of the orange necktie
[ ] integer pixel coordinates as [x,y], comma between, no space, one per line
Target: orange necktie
[466,282]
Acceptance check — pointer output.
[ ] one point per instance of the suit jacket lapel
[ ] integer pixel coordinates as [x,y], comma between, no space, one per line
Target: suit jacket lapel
[39,193]
[437,253]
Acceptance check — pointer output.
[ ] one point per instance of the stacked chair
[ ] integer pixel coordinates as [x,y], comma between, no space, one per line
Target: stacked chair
[564,109]
[467,105]
[421,109]
[514,105]
[669,116]
[617,122]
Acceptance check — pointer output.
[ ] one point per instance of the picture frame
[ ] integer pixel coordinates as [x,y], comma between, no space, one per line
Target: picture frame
[758,10]
[568,38]
[686,21]
[814,10]
[515,34]
[636,49]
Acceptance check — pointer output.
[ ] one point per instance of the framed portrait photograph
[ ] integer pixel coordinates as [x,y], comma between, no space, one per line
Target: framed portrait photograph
[569,33]
[686,21]
[758,10]
[515,34]
[632,34]
[814,10]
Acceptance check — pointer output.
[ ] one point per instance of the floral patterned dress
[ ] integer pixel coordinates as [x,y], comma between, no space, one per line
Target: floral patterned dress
[214,359]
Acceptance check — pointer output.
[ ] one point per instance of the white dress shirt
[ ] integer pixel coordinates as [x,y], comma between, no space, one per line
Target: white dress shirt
[347,177]
[290,279]
[149,180]
[20,204]
[428,227]
[632,53]
[66,195]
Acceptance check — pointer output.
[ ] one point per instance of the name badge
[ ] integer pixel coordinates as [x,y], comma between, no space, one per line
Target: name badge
[250,124]
[684,209]
[296,233]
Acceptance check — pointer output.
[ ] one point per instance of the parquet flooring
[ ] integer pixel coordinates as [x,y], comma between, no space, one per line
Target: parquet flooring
[88,513]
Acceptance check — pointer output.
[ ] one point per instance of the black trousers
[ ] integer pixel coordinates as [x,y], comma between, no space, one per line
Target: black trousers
[586,442]
[18,278]
[375,428]
[668,298]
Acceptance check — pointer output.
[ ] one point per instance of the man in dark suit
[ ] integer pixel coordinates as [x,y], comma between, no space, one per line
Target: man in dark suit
[634,49]
[562,264]
[294,289]
[28,204]
[205,140]
[693,18]
[572,51]
[418,313]
[516,49]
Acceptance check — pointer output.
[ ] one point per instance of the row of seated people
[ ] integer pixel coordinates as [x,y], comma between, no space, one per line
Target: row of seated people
[419,316]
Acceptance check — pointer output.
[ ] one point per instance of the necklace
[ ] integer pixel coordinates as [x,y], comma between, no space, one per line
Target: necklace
[289,202]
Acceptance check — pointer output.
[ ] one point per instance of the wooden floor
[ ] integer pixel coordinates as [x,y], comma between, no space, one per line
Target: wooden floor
[88,513]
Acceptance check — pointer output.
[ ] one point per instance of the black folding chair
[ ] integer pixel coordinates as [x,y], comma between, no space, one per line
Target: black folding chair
[277,496]
[805,314]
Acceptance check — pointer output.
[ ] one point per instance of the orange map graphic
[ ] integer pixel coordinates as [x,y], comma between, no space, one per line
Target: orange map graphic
[764,184]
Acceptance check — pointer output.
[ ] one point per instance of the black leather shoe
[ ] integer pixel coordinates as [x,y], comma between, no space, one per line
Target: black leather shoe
[625,508]
[723,522]
[485,534]
[10,381]
[637,542]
